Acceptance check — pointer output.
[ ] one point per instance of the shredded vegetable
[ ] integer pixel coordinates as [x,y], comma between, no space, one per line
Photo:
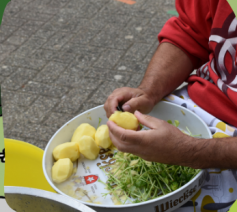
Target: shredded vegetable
[132,179]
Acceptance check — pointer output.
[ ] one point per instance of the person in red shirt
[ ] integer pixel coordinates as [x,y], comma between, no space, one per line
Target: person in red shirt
[203,37]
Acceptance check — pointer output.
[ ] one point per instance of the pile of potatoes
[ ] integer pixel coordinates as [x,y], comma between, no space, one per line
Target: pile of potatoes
[87,141]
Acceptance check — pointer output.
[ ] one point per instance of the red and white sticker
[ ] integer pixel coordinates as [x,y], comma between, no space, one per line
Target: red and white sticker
[90,179]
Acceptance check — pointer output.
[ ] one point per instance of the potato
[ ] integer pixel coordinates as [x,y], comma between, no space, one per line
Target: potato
[102,138]
[83,129]
[125,120]
[88,147]
[62,170]
[67,150]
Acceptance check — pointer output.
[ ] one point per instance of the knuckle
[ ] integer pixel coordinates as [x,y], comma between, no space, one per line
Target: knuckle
[117,89]
[123,137]
[111,97]
[120,147]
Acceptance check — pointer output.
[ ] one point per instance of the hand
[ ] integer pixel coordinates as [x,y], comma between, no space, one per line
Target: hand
[163,143]
[132,99]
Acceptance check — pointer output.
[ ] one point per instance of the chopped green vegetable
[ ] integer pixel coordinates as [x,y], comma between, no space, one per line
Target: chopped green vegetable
[100,119]
[176,123]
[142,180]
[136,180]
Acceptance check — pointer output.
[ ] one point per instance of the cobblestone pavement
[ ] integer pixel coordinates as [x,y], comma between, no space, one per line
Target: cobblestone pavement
[59,58]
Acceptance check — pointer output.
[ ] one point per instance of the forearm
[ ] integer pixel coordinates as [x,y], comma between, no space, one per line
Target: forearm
[213,153]
[168,68]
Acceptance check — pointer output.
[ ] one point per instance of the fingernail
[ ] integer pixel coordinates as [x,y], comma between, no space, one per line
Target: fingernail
[137,112]
[126,107]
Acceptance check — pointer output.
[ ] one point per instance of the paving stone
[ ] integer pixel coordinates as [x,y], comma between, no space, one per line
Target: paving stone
[100,95]
[33,131]
[119,21]
[7,70]
[84,36]
[11,9]
[32,15]
[3,57]
[18,79]
[131,66]
[58,119]
[50,72]
[109,75]
[2,79]
[7,48]
[63,57]
[44,34]
[43,4]
[75,70]
[95,23]
[44,89]
[78,81]
[82,49]
[6,31]
[12,21]
[11,113]
[44,54]
[57,3]
[58,21]
[72,4]
[87,11]
[85,60]
[109,58]
[79,50]
[72,102]
[137,52]
[16,40]
[28,29]
[159,19]
[57,41]
[20,99]
[135,25]
[40,109]
[98,4]
[25,63]
[110,37]
[24,51]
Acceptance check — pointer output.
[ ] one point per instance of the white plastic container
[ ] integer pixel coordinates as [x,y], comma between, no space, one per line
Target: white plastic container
[167,203]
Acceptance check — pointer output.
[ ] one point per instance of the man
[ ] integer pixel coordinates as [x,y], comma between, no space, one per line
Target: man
[203,37]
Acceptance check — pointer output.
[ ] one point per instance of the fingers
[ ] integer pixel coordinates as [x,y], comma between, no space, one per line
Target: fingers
[124,140]
[119,96]
[148,121]
[132,105]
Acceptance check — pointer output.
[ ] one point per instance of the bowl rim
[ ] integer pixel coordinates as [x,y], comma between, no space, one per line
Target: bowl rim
[132,204]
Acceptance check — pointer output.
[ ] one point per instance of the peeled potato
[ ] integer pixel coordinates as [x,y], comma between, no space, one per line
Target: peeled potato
[67,150]
[125,120]
[88,147]
[83,129]
[102,136]
[62,170]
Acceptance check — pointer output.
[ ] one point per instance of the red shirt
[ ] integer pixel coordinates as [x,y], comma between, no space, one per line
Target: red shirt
[207,31]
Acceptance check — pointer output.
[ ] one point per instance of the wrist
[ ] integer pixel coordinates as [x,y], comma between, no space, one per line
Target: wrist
[154,97]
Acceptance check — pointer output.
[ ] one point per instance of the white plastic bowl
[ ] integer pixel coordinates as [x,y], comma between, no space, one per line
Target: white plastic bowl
[163,110]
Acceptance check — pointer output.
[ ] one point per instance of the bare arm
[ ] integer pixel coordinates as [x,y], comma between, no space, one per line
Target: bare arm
[165,143]
[215,153]
[168,68]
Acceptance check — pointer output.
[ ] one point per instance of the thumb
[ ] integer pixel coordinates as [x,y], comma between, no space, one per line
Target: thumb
[148,121]
[137,103]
